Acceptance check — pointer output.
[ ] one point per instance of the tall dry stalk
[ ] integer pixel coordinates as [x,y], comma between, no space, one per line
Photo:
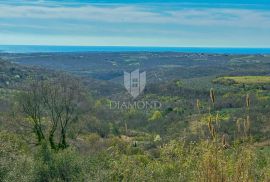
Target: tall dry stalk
[244,125]
[212,96]
[238,125]
[247,123]
[247,101]
[211,127]
[198,104]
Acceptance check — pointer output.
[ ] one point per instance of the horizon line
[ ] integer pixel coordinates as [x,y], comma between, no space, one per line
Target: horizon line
[137,46]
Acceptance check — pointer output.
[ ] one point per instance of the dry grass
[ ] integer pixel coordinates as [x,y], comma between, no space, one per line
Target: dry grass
[244,79]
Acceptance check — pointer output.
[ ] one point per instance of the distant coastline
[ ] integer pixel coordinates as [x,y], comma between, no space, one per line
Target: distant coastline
[47,49]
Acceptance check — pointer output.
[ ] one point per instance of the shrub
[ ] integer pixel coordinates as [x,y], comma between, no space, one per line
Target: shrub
[64,165]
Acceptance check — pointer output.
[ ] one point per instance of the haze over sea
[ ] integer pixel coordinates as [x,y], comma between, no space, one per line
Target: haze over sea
[44,49]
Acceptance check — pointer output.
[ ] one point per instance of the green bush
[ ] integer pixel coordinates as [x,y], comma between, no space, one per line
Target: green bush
[62,165]
[15,165]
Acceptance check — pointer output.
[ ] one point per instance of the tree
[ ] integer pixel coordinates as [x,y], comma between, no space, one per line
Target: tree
[57,101]
[32,106]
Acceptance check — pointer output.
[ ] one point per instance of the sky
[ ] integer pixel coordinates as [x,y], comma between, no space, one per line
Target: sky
[193,23]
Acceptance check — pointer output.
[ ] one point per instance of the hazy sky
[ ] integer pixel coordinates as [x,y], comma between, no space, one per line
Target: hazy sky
[192,23]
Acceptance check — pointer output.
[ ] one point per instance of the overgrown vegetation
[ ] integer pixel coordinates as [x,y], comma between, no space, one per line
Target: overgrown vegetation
[58,127]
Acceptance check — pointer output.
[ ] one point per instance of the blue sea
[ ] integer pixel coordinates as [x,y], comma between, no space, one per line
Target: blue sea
[46,49]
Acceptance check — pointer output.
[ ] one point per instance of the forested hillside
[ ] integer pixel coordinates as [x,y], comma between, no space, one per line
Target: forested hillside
[57,123]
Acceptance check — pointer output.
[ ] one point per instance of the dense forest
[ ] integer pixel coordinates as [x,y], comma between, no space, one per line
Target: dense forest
[56,123]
